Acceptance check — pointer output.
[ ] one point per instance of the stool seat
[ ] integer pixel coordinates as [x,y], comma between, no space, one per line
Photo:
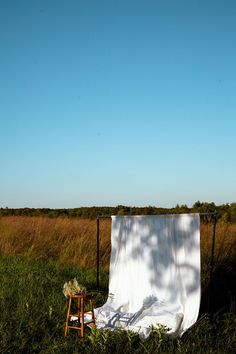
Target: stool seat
[79,307]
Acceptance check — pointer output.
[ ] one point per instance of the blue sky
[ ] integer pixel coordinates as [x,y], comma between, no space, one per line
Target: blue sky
[117,102]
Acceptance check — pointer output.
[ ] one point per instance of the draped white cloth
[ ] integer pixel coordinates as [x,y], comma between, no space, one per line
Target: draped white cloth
[154,274]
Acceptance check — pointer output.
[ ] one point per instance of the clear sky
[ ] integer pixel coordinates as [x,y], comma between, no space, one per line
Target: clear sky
[106,102]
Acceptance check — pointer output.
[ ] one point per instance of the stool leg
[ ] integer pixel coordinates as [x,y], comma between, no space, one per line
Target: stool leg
[82,317]
[67,318]
[79,314]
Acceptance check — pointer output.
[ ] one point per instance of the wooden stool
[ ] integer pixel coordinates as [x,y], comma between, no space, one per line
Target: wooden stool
[79,303]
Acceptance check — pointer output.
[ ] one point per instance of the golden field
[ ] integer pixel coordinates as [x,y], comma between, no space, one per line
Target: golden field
[67,240]
[73,241]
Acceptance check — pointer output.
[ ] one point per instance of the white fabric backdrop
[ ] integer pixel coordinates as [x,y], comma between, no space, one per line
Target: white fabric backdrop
[154,273]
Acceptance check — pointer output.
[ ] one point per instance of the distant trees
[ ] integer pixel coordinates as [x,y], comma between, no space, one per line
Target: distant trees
[229,213]
[226,212]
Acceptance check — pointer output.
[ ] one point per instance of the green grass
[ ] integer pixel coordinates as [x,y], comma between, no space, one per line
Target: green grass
[33,312]
[32,305]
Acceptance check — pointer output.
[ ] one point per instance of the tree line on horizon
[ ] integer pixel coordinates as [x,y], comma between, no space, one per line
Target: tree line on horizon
[225,212]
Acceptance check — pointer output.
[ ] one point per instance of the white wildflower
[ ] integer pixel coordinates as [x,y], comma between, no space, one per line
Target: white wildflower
[72,287]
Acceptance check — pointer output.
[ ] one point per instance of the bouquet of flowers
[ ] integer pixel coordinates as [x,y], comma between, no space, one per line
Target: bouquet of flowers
[72,287]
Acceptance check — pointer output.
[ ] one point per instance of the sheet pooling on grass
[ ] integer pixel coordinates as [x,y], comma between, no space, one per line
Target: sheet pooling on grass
[154,273]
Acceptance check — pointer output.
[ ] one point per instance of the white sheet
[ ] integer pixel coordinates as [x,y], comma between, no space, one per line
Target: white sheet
[154,274]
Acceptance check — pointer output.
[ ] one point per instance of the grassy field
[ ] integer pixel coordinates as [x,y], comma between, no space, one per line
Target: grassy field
[73,241]
[33,311]
[38,254]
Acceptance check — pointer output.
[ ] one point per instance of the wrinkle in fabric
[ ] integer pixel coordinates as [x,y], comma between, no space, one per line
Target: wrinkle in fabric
[154,273]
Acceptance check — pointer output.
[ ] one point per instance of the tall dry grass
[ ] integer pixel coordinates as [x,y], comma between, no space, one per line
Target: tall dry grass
[73,241]
[67,240]
[224,251]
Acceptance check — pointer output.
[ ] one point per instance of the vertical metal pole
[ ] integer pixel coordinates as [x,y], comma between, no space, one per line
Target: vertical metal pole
[97,260]
[212,261]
